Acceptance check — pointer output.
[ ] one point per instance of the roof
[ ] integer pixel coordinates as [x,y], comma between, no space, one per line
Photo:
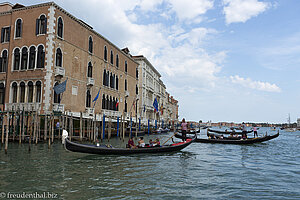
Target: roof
[141,57]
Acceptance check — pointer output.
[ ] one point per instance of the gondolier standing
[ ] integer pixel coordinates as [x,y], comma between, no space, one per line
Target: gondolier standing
[244,132]
[184,127]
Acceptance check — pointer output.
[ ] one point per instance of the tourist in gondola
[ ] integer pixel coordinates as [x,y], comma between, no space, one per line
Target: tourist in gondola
[141,142]
[131,143]
[184,127]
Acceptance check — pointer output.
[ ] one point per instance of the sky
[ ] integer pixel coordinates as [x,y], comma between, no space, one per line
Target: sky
[223,60]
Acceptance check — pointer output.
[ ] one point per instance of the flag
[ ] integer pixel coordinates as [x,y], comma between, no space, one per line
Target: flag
[155,105]
[96,98]
[161,109]
[60,88]
[117,103]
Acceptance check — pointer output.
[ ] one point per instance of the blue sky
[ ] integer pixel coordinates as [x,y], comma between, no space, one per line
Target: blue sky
[224,60]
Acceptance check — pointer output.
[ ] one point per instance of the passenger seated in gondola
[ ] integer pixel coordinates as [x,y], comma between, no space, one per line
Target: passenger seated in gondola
[150,143]
[156,143]
[131,143]
[141,142]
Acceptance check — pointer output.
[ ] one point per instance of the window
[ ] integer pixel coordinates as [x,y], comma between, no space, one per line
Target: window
[60,27]
[126,66]
[88,99]
[2,93]
[136,89]
[41,25]
[117,106]
[103,101]
[117,60]
[40,57]
[90,70]
[15,92]
[17,59]
[125,85]
[24,59]
[137,73]
[22,92]
[3,61]
[104,76]
[38,91]
[117,83]
[111,57]
[90,44]
[56,96]
[5,34]
[18,29]
[107,78]
[58,58]
[105,53]
[111,80]
[110,104]
[114,104]
[30,92]
[125,109]
[31,58]
[106,103]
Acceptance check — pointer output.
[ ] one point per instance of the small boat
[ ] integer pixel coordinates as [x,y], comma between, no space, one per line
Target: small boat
[227,131]
[235,140]
[108,150]
[161,130]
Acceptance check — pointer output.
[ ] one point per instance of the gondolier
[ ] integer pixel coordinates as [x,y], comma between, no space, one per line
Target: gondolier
[184,128]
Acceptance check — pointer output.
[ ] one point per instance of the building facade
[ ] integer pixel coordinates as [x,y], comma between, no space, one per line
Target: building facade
[43,46]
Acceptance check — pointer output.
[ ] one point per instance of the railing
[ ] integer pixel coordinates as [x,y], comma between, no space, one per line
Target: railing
[90,81]
[59,71]
[112,113]
[58,107]
[21,106]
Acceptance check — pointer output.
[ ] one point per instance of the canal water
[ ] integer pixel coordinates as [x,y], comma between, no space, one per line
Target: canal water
[269,170]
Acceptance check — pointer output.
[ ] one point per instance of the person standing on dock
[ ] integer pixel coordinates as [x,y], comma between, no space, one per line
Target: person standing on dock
[184,127]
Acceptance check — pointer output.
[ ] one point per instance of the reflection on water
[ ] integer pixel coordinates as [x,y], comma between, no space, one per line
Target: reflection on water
[260,171]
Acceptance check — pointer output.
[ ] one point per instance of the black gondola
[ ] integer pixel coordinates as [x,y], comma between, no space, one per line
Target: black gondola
[104,150]
[227,132]
[235,140]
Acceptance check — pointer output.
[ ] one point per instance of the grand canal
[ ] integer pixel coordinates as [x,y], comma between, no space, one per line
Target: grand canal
[267,170]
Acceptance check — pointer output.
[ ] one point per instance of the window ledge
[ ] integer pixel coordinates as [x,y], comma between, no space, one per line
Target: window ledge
[18,38]
[5,42]
[61,38]
[41,34]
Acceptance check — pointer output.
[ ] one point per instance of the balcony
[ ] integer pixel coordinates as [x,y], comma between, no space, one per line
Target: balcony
[21,106]
[58,107]
[90,81]
[90,111]
[59,71]
[112,113]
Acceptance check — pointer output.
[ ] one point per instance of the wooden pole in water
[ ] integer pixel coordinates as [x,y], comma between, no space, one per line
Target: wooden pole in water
[109,128]
[123,127]
[45,127]
[19,127]
[13,124]
[71,126]
[7,130]
[80,127]
[30,124]
[23,125]
[2,123]
[59,127]
[83,128]
[94,129]
[49,137]
[38,128]
[52,129]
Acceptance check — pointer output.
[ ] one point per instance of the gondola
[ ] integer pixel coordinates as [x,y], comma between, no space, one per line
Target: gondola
[108,150]
[192,131]
[235,141]
[227,132]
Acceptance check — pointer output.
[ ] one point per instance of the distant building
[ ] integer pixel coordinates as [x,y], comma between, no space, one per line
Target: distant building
[298,122]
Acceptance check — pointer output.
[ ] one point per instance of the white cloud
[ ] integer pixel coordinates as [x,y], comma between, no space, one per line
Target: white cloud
[257,85]
[243,10]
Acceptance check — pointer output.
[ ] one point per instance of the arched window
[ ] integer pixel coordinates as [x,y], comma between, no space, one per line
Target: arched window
[90,70]
[31,57]
[125,85]
[30,92]
[22,92]
[38,91]
[2,93]
[18,29]
[56,96]
[114,104]
[60,27]
[88,99]
[40,57]
[90,44]
[104,76]
[41,25]
[111,57]
[107,78]
[105,53]
[136,89]
[111,80]
[117,105]
[117,83]
[117,60]
[3,61]
[103,101]
[110,104]
[24,59]
[125,109]
[58,58]
[126,66]
[106,102]
[137,73]
[15,92]
[17,59]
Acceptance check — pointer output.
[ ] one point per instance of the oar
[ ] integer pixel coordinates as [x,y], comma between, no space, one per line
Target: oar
[169,138]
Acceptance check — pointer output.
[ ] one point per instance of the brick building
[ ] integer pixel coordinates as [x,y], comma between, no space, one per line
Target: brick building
[43,45]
